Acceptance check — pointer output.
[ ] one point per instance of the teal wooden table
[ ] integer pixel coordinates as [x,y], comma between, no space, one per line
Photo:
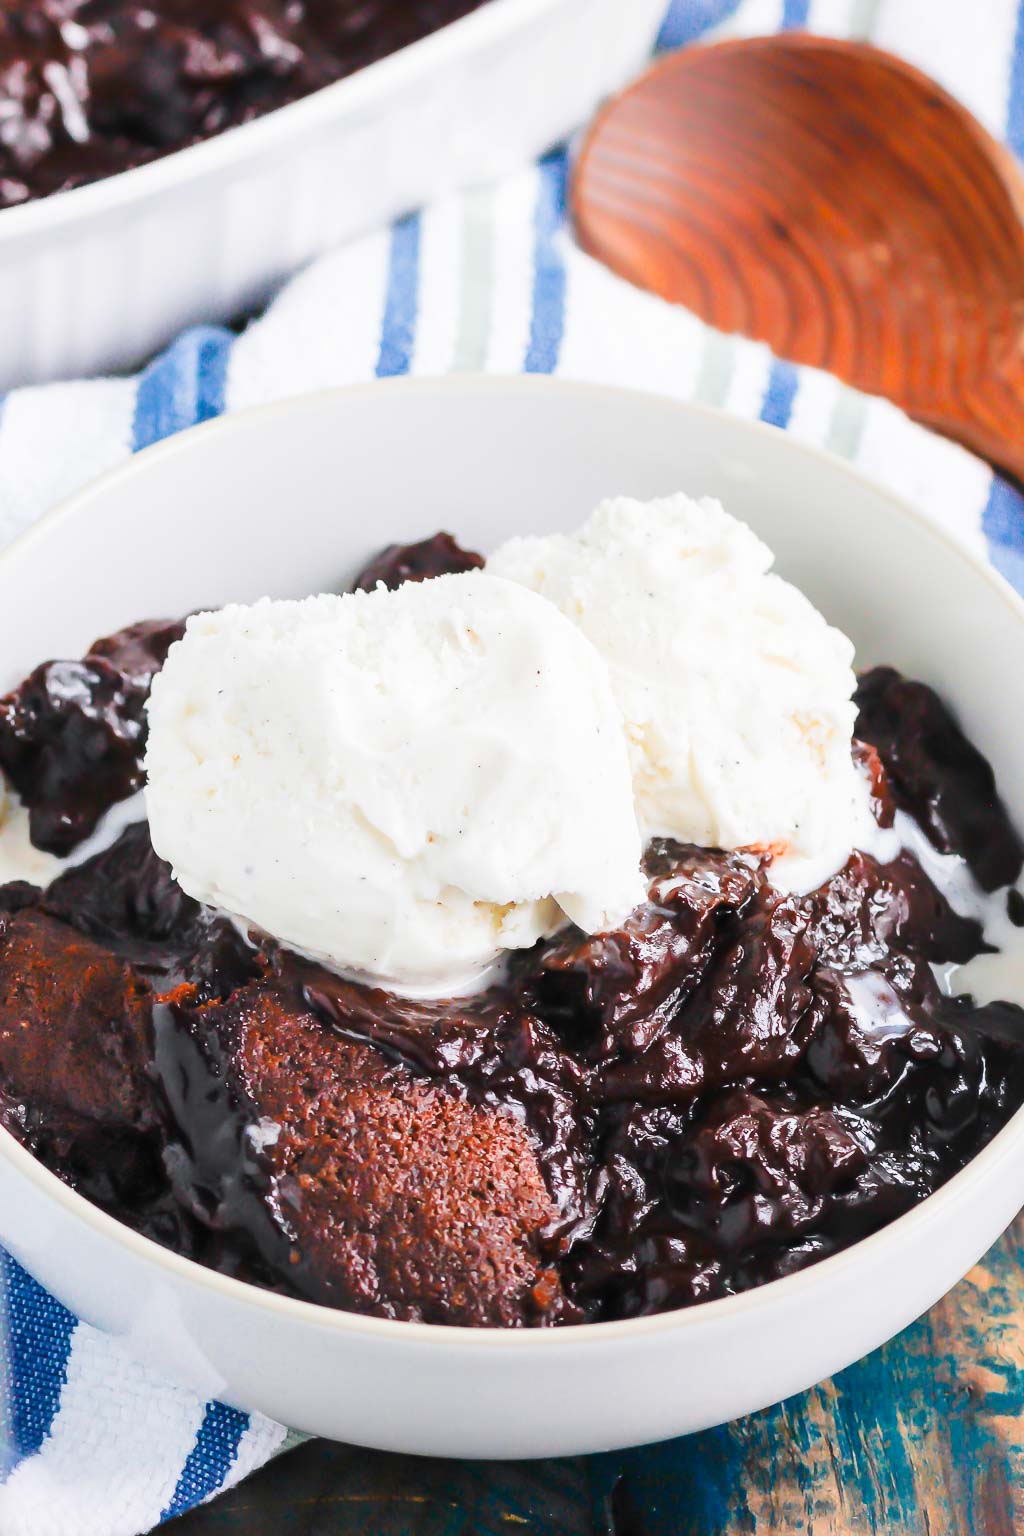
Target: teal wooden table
[923,1438]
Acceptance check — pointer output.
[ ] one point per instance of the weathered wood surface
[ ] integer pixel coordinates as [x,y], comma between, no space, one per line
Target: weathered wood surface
[831,200]
[923,1438]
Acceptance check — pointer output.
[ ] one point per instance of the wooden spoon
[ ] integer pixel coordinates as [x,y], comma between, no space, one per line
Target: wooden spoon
[834,202]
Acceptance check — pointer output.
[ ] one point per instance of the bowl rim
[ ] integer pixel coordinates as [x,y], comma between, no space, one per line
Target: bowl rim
[488,24]
[933,1209]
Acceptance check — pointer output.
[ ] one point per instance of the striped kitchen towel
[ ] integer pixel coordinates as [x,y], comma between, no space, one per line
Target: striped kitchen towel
[92,1443]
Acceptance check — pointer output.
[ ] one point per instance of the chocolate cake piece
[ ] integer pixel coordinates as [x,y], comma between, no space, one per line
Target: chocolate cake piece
[492,1049]
[357,1182]
[72,1026]
[76,1086]
[73,734]
[74,1074]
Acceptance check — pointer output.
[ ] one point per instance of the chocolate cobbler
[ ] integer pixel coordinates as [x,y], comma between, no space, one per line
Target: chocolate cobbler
[732,1085]
[92,87]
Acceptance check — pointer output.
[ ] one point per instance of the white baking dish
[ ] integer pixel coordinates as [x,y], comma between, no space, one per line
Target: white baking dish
[95,279]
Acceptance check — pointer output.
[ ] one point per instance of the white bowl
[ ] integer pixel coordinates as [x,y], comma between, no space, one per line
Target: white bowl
[291,499]
[98,278]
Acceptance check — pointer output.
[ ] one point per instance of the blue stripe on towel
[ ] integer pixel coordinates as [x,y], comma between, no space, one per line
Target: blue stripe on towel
[795,14]
[783,381]
[210,1459]
[38,1343]
[183,386]
[401,304]
[547,322]
[1002,523]
[687,19]
[1015,107]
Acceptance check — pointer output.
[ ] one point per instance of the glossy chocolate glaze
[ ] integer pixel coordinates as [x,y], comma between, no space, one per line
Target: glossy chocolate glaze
[398,563]
[73,734]
[92,87]
[734,1084]
[938,776]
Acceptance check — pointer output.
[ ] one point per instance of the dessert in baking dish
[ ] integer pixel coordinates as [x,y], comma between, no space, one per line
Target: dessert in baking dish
[92,87]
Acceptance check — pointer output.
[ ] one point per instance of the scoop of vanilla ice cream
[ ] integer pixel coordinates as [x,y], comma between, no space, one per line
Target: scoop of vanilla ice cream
[400,783]
[735,691]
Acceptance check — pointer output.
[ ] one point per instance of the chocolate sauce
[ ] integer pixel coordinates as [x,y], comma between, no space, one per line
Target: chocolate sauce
[729,1087]
[73,735]
[92,87]
[399,563]
[938,776]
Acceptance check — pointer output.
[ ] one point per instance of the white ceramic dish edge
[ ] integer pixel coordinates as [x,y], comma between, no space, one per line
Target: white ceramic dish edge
[96,279]
[485,1392]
